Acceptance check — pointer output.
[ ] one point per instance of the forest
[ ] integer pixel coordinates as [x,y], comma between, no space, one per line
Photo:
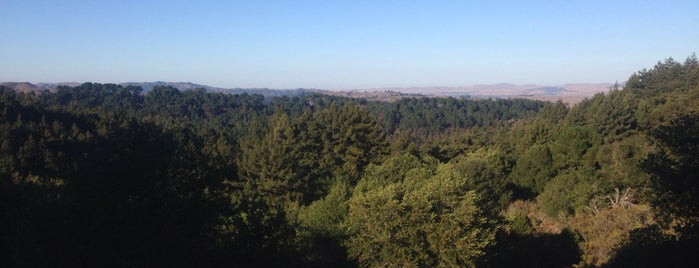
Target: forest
[103,175]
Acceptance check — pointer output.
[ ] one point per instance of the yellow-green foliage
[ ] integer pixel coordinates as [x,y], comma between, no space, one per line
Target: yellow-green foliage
[426,219]
[606,229]
[566,193]
[324,216]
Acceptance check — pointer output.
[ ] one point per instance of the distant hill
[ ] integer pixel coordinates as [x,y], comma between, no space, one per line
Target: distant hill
[24,87]
[373,95]
[569,93]
[506,90]
[148,86]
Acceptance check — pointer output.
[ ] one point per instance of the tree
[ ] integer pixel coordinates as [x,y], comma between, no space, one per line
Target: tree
[485,171]
[673,170]
[352,138]
[269,164]
[534,168]
[567,192]
[320,230]
[424,218]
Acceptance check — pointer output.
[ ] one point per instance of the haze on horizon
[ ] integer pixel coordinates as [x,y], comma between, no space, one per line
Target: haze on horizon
[341,44]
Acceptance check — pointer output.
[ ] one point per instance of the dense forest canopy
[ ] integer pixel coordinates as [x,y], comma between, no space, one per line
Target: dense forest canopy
[103,174]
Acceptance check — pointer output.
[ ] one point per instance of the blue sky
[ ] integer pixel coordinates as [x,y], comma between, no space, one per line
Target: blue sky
[341,44]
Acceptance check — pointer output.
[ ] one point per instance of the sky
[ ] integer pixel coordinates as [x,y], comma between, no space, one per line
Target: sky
[341,44]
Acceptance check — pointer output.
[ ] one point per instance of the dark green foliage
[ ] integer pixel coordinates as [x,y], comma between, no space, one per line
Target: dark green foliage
[534,169]
[486,173]
[107,188]
[303,157]
[620,163]
[566,193]
[352,139]
[674,169]
[255,231]
[321,231]
[435,115]
[574,147]
[106,97]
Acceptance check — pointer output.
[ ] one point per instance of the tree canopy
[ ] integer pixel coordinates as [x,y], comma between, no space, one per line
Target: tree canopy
[104,174]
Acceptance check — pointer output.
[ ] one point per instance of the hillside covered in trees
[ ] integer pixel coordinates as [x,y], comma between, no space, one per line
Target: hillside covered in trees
[106,175]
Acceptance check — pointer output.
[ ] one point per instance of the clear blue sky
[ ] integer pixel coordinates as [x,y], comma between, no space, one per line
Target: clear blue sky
[341,44]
